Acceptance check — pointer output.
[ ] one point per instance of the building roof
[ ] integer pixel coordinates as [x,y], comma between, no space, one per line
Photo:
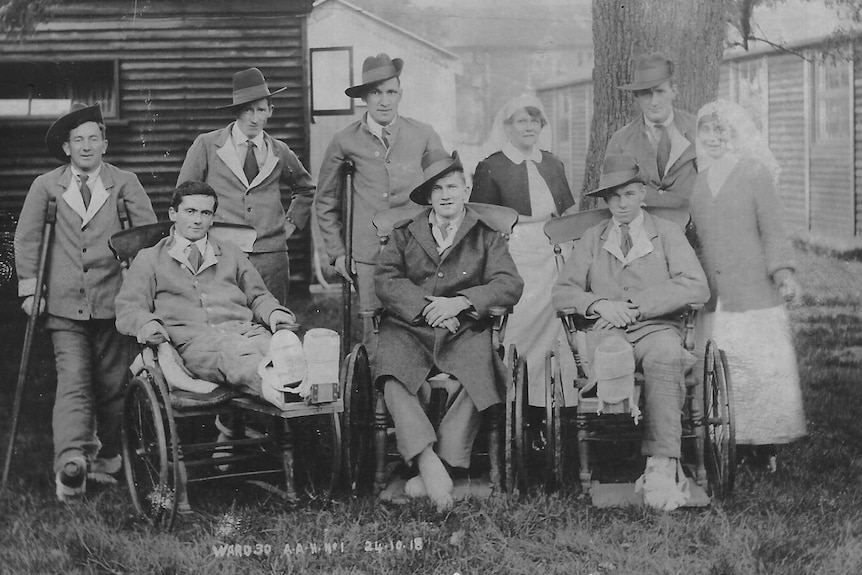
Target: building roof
[366,14]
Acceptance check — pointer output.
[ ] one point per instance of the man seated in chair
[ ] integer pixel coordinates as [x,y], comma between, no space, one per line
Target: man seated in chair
[437,279]
[207,299]
[633,275]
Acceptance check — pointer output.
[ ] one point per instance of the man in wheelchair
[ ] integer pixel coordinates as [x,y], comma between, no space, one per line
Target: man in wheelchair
[207,299]
[632,275]
[437,278]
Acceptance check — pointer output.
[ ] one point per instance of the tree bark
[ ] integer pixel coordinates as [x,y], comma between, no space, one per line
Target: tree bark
[691,33]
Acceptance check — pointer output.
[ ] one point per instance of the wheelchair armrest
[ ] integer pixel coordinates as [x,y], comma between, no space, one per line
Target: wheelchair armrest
[498,330]
[374,315]
[573,321]
[294,327]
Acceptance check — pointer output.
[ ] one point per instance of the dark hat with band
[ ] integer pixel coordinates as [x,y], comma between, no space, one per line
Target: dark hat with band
[376,69]
[58,133]
[435,165]
[650,71]
[249,86]
[617,170]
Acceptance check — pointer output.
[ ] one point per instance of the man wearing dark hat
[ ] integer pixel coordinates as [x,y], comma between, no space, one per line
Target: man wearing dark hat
[249,170]
[437,278]
[83,278]
[662,138]
[633,274]
[386,150]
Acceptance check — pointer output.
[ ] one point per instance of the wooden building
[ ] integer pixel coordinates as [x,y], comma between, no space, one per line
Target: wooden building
[160,69]
[807,106]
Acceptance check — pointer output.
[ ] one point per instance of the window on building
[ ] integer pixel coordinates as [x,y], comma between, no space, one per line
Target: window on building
[832,102]
[751,81]
[32,89]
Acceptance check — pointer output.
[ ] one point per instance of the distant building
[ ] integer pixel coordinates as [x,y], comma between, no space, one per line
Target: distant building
[505,57]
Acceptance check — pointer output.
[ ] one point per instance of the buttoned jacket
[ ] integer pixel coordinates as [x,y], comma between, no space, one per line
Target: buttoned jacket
[383,179]
[226,291]
[213,159]
[742,236]
[500,181]
[83,276]
[661,282]
[674,190]
[477,266]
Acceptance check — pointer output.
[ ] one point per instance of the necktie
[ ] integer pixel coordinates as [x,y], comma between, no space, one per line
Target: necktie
[662,152]
[385,137]
[85,190]
[625,239]
[194,257]
[250,165]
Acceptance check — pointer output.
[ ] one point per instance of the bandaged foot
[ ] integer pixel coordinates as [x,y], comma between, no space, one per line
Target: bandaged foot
[663,483]
[415,487]
[283,370]
[437,482]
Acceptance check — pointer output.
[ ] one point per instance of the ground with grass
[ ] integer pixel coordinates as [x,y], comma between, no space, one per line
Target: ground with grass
[807,518]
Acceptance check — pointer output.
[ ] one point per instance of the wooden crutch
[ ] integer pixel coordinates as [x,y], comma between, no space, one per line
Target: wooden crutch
[29,333]
[347,229]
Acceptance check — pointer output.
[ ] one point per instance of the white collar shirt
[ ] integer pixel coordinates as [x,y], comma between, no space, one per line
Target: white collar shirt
[206,250]
[444,234]
[376,128]
[240,144]
[641,244]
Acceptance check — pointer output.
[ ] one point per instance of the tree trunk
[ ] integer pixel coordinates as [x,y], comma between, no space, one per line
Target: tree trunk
[691,33]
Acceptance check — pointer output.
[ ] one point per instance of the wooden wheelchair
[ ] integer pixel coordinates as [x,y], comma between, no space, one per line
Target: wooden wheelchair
[709,445]
[369,423]
[299,448]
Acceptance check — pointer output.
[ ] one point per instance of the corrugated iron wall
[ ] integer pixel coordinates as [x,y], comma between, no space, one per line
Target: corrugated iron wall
[175,62]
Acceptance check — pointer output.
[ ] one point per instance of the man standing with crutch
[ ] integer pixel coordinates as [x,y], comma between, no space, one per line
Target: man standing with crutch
[386,152]
[81,280]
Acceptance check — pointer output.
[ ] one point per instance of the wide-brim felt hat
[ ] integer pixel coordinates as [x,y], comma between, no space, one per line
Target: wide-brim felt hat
[376,69]
[650,71]
[435,165]
[617,170]
[58,133]
[249,86]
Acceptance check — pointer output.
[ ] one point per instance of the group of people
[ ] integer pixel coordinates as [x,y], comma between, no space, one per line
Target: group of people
[438,276]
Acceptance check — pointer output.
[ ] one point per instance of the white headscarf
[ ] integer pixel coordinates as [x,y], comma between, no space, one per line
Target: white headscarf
[745,140]
[498,136]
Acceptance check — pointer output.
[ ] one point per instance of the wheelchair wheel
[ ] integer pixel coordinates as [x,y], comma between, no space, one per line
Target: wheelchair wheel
[516,442]
[317,454]
[553,421]
[719,422]
[149,467]
[357,421]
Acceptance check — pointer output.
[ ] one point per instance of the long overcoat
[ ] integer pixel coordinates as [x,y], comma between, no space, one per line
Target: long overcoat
[83,276]
[674,190]
[257,203]
[478,266]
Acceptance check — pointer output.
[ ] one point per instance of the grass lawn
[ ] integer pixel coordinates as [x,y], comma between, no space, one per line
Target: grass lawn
[805,519]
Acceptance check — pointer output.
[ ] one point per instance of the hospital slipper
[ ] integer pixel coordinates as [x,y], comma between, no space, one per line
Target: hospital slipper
[415,487]
[438,484]
[103,469]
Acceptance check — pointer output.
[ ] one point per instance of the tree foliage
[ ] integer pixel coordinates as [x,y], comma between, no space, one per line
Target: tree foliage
[21,16]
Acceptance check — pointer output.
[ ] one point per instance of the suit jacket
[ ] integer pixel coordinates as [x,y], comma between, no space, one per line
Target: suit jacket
[383,179]
[742,236]
[675,188]
[501,182]
[226,290]
[478,266]
[83,276]
[661,282]
[212,159]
